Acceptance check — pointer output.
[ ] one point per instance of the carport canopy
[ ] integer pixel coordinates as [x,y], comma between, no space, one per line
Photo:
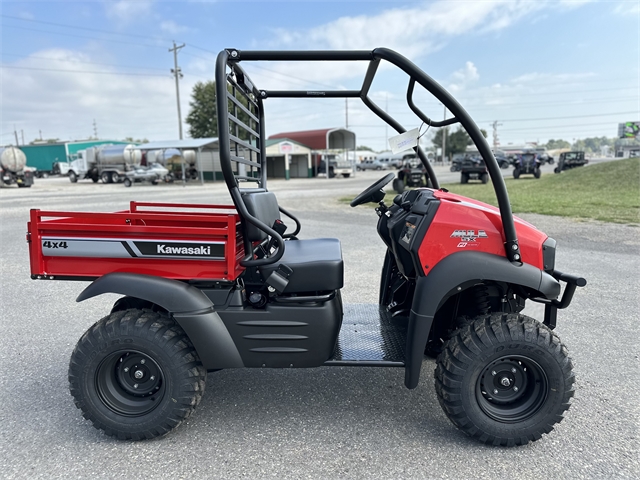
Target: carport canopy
[323,139]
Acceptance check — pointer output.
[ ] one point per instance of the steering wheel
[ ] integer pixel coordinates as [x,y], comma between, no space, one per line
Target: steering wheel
[374,193]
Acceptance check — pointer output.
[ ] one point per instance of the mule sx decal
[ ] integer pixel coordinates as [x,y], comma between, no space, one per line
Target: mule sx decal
[468,237]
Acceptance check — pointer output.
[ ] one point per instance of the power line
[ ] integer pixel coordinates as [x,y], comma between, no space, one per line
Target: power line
[84,71]
[81,61]
[82,36]
[76,27]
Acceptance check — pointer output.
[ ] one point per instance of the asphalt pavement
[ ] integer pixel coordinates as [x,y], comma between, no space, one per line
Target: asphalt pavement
[331,422]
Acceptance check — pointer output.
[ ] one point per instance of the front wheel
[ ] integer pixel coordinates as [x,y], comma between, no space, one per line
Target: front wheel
[136,375]
[73,178]
[536,172]
[516,173]
[464,178]
[127,182]
[504,379]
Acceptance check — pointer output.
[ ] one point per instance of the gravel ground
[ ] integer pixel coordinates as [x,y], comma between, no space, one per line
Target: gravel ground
[323,422]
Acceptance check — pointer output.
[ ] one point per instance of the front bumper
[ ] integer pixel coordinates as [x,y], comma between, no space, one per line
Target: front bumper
[552,306]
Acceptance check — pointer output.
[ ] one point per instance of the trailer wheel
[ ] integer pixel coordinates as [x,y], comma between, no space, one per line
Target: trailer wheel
[127,182]
[136,375]
[105,177]
[73,178]
[504,379]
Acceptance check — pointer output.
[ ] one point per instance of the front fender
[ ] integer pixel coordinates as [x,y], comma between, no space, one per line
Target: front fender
[452,275]
[191,308]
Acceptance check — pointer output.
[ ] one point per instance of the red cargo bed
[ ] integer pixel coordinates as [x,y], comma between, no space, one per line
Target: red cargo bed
[178,241]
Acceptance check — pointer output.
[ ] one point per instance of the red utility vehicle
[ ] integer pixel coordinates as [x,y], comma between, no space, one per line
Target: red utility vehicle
[207,287]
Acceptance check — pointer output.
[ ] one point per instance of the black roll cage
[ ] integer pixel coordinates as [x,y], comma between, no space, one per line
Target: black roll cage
[237,82]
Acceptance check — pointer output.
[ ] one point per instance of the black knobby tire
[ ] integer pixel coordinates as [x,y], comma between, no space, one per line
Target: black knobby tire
[398,185]
[464,178]
[516,173]
[136,375]
[537,172]
[484,178]
[504,379]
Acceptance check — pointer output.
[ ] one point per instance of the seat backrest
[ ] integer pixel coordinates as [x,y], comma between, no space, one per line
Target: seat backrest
[263,206]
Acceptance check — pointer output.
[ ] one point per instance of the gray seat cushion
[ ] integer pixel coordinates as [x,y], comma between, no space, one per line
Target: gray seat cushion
[317,265]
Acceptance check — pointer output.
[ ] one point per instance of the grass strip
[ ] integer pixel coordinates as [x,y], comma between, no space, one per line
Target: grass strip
[608,191]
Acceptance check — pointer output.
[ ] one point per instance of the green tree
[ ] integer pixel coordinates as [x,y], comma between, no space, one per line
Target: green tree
[457,141]
[364,147]
[557,144]
[202,118]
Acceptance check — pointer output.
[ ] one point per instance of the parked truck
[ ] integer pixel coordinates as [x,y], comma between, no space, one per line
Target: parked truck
[108,163]
[13,167]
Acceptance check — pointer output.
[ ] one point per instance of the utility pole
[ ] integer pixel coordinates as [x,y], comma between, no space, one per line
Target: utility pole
[346,112]
[22,134]
[15,132]
[40,134]
[496,142]
[95,129]
[177,73]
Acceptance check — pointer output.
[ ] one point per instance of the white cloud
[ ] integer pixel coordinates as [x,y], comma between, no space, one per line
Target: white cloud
[172,28]
[62,102]
[627,8]
[464,77]
[126,11]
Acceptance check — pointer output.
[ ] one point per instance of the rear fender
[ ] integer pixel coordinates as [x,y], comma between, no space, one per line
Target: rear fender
[191,308]
[452,275]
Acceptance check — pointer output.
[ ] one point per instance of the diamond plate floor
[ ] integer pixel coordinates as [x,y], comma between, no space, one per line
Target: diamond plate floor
[369,335]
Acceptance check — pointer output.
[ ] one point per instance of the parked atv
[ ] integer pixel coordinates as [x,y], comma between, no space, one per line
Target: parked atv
[412,174]
[473,168]
[526,163]
[230,286]
[570,160]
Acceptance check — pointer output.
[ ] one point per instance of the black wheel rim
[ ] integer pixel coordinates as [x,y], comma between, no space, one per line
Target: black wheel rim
[512,389]
[130,383]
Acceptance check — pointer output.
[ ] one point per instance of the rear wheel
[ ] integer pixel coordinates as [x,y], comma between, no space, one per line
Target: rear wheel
[504,379]
[464,178]
[346,175]
[484,178]
[105,177]
[136,375]
[536,172]
[516,173]
[115,178]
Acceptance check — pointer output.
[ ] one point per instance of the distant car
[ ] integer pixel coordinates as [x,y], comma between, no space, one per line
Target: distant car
[569,160]
[153,174]
[372,165]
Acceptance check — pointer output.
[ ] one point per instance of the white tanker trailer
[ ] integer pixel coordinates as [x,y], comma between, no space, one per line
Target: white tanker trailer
[13,167]
[109,163]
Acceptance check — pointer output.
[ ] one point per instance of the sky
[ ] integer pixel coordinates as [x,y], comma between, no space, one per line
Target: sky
[540,69]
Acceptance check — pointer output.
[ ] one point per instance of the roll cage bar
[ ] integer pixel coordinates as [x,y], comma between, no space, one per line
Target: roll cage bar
[241,128]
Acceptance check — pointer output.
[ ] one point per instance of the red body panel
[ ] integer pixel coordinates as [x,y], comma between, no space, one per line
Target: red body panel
[464,224]
[107,236]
